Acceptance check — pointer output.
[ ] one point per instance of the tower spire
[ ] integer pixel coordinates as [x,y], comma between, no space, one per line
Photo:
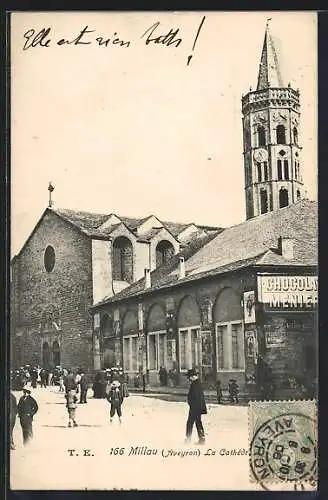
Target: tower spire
[269,71]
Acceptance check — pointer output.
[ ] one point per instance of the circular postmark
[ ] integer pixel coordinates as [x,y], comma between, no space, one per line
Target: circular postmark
[283,450]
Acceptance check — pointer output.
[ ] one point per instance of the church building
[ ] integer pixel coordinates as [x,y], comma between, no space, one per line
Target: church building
[73,260]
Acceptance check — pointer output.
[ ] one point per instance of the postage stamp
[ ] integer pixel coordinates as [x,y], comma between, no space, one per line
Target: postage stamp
[283,443]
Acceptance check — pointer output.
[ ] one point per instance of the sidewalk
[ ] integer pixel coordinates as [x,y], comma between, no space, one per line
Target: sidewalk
[180,394]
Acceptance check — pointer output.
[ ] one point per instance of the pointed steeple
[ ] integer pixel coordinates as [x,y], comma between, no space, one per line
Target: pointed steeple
[269,72]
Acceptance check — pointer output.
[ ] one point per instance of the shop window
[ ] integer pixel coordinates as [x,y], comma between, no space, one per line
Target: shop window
[122,259]
[189,348]
[130,353]
[283,198]
[156,350]
[264,201]
[261,136]
[281,134]
[286,170]
[230,346]
[164,252]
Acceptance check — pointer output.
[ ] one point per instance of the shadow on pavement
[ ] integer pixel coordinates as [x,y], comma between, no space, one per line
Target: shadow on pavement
[65,426]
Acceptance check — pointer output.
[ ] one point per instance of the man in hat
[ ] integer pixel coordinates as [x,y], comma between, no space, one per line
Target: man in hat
[26,409]
[115,398]
[197,407]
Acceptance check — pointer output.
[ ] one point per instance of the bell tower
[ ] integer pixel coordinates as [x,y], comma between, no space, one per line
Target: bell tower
[272,154]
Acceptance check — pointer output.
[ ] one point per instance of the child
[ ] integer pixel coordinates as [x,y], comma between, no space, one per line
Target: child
[61,383]
[219,391]
[71,399]
[115,398]
[233,391]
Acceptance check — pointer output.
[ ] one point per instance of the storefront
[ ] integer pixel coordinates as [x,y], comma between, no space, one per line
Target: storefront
[288,330]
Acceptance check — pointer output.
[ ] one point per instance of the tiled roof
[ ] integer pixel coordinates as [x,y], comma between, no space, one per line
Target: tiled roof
[90,223]
[85,221]
[254,242]
[175,227]
[250,238]
[131,223]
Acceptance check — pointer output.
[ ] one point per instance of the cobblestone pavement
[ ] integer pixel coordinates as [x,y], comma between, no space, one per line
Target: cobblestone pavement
[152,425]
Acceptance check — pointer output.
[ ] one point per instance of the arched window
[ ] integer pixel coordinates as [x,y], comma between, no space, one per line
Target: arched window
[279,167]
[283,198]
[298,194]
[266,176]
[122,259]
[281,134]
[259,172]
[295,135]
[55,353]
[164,252]
[261,136]
[264,201]
[105,326]
[45,355]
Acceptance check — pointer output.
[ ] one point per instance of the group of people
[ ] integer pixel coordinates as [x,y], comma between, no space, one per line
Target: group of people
[109,384]
[35,374]
[233,391]
[104,378]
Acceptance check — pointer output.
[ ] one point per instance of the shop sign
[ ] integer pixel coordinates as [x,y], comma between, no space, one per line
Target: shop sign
[249,307]
[275,339]
[292,293]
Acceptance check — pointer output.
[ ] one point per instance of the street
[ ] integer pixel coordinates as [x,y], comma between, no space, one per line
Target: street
[146,452]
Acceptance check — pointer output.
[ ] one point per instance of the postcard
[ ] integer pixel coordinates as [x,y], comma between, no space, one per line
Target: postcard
[164,282]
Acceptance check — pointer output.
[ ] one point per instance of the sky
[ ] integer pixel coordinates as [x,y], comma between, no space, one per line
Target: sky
[134,129]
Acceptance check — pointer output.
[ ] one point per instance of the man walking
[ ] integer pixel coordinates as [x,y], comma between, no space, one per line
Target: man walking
[27,408]
[13,413]
[69,382]
[197,407]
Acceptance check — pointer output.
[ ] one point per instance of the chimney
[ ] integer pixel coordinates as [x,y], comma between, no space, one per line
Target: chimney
[147,278]
[286,248]
[182,270]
